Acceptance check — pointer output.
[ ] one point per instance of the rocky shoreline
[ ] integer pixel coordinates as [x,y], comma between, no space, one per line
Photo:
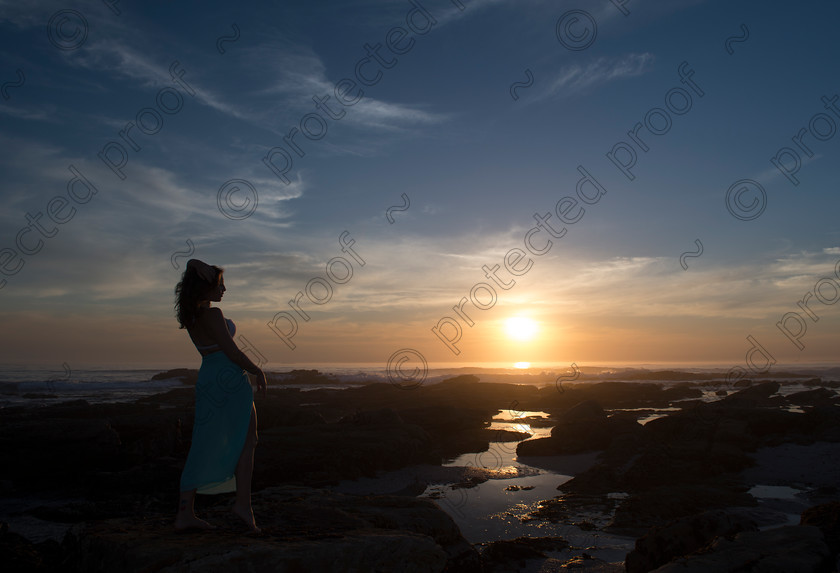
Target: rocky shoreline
[680,484]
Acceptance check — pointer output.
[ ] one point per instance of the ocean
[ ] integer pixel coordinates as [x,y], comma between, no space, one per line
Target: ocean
[21,385]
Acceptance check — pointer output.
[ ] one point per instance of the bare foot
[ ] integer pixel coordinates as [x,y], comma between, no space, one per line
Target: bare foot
[247,515]
[188,522]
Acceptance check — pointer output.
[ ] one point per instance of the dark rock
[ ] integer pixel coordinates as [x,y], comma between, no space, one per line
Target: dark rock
[683,536]
[818,396]
[64,432]
[691,461]
[798,548]
[302,376]
[275,414]
[360,445]
[186,375]
[500,435]
[827,517]
[303,530]
[612,395]
[385,416]
[659,505]
[35,451]
[462,379]
[20,555]
[587,563]
[516,551]
[752,395]
[584,412]
[583,428]
[451,429]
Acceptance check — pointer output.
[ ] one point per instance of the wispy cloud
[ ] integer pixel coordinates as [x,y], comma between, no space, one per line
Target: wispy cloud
[120,59]
[41,113]
[280,85]
[466,8]
[578,78]
[299,74]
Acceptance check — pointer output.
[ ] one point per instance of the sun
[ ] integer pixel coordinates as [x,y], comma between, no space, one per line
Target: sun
[520,328]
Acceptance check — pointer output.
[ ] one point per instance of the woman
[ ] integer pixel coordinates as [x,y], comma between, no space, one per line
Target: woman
[221,457]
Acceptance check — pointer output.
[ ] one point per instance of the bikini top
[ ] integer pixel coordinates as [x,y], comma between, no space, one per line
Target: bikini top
[231,329]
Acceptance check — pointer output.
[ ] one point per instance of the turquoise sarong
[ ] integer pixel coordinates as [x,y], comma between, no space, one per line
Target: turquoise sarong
[223,403]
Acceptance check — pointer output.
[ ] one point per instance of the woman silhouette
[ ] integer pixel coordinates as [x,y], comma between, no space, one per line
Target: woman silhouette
[221,457]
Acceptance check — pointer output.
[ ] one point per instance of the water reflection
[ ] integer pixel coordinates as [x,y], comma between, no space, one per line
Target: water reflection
[503,506]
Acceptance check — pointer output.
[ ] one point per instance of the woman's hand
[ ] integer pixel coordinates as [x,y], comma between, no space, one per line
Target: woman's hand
[261,383]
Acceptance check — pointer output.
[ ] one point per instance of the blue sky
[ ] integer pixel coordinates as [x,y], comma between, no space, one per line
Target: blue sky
[216,88]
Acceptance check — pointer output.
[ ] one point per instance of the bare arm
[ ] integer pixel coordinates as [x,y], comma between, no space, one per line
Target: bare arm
[214,320]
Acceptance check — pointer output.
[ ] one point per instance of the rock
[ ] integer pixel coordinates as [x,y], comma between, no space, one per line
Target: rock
[790,549]
[500,435]
[65,432]
[385,416]
[359,445]
[303,376]
[683,536]
[692,461]
[304,529]
[35,451]
[752,395]
[818,396]
[512,553]
[584,563]
[537,447]
[187,375]
[274,414]
[827,517]
[452,430]
[584,412]
[659,505]
[583,428]
[21,555]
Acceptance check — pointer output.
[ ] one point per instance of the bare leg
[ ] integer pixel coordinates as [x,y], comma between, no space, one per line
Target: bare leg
[244,471]
[186,518]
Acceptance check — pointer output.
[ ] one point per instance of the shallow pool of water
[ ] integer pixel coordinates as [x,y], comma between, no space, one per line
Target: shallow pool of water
[499,507]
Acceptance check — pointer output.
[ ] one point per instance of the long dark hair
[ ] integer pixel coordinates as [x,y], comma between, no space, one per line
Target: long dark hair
[191,290]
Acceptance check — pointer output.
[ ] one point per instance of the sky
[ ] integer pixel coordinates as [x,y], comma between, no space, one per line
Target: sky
[391,182]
